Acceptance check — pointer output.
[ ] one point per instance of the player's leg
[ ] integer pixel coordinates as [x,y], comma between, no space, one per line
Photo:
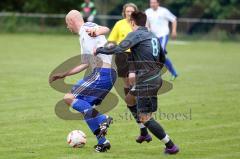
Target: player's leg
[122,63]
[147,105]
[168,63]
[132,106]
[69,98]
[92,117]
[94,94]
[79,100]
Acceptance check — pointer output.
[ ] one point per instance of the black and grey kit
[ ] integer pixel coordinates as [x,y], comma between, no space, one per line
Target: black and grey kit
[146,60]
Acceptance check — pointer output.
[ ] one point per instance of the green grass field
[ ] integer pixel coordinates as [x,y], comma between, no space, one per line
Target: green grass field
[208,85]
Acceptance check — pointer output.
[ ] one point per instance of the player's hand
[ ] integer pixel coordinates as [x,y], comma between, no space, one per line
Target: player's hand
[92,32]
[96,51]
[174,35]
[132,78]
[56,77]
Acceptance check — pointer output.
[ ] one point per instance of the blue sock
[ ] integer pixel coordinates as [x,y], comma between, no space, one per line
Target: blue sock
[101,140]
[170,67]
[80,105]
[93,122]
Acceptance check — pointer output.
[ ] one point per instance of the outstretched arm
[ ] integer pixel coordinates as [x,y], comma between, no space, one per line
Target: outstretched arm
[73,71]
[110,48]
[174,29]
[102,30]
[76,70]
[96,31]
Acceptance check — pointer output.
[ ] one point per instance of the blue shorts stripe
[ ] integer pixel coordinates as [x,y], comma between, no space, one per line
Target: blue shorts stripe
[86,84]
[96,86]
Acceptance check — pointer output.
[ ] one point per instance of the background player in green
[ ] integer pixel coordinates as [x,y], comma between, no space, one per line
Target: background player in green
[88,10]
[145,74]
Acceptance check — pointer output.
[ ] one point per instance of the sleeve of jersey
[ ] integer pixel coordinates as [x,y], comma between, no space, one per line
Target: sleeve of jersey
[131,40]
[170,16]
[148,22]
[146,12]
[114,34]
[91,25]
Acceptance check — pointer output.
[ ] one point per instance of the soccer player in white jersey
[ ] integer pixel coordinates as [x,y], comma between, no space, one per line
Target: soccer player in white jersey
[91,90]
[158,19]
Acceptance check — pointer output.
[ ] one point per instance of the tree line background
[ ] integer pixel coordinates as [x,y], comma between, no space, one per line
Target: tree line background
[213,9]
[217,9]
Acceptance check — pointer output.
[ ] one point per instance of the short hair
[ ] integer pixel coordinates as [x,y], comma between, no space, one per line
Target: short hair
[140,18]
[128,5]
[157,1]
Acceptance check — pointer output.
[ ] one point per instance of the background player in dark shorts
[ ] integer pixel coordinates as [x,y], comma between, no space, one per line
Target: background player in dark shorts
[148,58]
[122,66]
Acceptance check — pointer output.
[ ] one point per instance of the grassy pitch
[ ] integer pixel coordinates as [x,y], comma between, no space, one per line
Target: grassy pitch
[208,86]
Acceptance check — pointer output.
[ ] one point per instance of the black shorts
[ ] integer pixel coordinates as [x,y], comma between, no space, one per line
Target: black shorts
[146,94]
[146,89]
[122,64]
[147,104]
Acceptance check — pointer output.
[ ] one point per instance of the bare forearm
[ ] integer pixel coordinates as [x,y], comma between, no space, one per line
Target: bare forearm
[174,26]
[76,70]
[174,29]
[102,30]
[131,40]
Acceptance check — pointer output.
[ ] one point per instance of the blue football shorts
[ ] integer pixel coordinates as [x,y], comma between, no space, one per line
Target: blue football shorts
[95,86]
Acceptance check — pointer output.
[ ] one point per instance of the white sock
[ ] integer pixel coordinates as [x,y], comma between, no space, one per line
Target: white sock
[166,139]
[141,125]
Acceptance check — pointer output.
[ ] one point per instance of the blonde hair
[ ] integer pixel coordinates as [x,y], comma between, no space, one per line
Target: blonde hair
[128,5]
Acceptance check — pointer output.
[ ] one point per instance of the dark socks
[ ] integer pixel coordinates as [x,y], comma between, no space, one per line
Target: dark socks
[170,144]
[133,110]
[144,131]
[158,131]
[155,128]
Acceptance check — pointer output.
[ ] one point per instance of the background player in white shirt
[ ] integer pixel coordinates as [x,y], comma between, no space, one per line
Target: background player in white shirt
[91,90]
[158,23]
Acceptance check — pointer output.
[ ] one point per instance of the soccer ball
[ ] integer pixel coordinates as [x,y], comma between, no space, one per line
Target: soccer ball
[76,139]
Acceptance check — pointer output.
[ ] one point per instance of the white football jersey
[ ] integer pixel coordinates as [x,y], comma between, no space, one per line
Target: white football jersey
[88,44]
[159,20]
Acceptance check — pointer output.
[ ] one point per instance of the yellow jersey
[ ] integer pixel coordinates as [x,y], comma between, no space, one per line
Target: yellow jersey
[120,31]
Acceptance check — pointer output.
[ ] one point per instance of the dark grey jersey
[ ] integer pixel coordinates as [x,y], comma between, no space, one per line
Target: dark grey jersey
[146,52]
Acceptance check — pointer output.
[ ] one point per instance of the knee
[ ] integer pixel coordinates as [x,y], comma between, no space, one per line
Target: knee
[143,118]
[68,98]
[130,100]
